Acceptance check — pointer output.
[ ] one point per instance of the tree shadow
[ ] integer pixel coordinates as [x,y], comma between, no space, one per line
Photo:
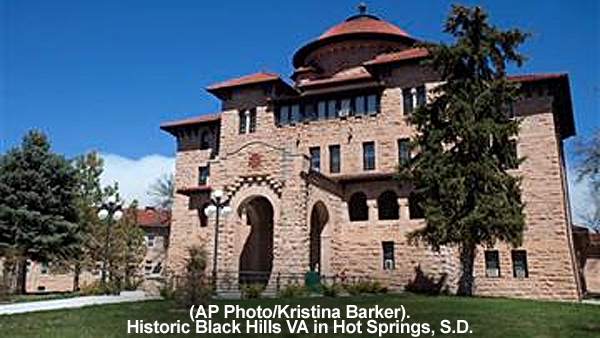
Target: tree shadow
[424,284]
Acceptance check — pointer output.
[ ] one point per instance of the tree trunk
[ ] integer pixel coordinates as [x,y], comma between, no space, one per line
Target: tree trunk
[22,276]
[77,273]
[467,258]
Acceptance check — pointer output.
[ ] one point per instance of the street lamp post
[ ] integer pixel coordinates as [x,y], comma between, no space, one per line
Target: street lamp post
[111,211]
[218,207]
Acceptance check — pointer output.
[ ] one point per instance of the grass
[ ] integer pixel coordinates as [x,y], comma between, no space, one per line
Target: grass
[486,317]
[40,297]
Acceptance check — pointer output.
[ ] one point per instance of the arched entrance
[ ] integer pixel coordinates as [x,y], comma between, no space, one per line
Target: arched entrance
[318,219]
[256,259]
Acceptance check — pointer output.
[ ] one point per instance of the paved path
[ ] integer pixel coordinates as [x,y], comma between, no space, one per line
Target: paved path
[73,303]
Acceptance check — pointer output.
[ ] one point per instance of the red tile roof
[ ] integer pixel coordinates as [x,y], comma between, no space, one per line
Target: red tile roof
[206,118]
[363,24]
[408,54]
[244,80]
[151,217]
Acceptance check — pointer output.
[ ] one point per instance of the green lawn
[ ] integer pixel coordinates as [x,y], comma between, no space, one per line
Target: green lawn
[486,317]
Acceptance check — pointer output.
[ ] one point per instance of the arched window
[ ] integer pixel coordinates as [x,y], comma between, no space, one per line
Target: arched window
[414,209]
[206,140]
[387,205]
[358,207]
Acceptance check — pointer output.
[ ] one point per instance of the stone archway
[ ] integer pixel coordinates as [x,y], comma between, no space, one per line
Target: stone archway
[256,258]
[319,217]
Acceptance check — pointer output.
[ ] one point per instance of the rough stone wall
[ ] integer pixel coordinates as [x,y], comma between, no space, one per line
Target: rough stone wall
[547,237]
[355,248]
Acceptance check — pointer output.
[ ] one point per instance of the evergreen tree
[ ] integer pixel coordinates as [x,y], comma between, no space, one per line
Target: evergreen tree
[37,205]
[89,168]
[464,137]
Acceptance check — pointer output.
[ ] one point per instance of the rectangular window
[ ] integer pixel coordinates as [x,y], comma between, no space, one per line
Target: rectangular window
[408,101]
[284,112]
[322,110]
[388,255]
[296,113]
[369,156]
[332,109]
[519,260]
[372,104]
[403,152]
[421,96]
[309,112]
[492,264]
[203,175]
[243,122]
[252,120]
[359,105]
[345,107]
[44,267]
[315,158]
[334,159]
[150,240]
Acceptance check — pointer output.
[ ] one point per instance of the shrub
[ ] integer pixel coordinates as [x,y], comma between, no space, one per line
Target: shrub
[252,291]
[195,288]
[331,290]
[292,291]
[364,287]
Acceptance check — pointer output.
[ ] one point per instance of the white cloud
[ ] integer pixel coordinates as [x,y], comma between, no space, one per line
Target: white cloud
[580,197]
[135,175]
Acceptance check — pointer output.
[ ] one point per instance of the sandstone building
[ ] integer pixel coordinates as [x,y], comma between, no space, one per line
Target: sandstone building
[308,169]
[42,277]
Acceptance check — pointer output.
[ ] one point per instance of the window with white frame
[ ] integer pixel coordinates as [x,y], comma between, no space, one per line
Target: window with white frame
[388,256]
[492,263]
[150,240]
[247,121]
[412,98]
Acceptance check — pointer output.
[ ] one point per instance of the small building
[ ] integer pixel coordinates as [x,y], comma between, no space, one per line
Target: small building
[42,277]
[308,169]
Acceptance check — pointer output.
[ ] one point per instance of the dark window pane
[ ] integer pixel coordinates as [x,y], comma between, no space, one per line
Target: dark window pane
[334,159]
[407,98]
[284,113]
[403,152]
[359,105]
[368,156]
[252,118]
[414,207]
[315,158]
[519,259]
[421,96]
[388,255]
[332,109]
[387,205]
[372,104]
[295,113]
[322,110]
[357,208]
[492,264]
[243,122]
[203,175]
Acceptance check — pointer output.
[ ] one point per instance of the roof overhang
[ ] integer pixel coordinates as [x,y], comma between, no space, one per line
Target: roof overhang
[559,88]
[172,126]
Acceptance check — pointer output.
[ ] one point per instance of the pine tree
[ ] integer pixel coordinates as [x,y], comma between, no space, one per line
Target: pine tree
[162,191]
[89,168]
[460,177]
[37,205]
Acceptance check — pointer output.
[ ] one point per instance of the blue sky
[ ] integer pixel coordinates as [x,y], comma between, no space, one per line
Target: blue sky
[102,75]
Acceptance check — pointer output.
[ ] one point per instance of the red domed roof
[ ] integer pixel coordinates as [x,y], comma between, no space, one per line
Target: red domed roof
[363,24]
[358,26]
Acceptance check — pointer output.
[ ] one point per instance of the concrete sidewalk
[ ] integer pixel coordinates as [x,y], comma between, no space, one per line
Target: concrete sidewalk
[73,303]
